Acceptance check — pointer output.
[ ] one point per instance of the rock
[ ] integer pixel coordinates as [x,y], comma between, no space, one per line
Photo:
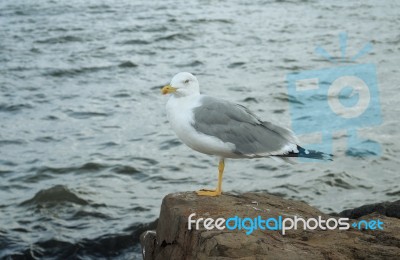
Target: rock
[173,240]
[389,209]
[148,241]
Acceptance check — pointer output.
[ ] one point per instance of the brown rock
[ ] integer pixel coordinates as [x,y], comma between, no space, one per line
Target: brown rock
[173,239]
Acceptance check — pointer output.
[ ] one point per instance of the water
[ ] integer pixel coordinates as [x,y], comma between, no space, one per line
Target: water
[86,154]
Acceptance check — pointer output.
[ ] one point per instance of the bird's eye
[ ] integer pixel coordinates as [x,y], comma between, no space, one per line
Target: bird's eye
[186,81]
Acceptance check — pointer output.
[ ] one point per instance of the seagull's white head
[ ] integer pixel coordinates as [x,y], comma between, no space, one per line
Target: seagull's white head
[182,84]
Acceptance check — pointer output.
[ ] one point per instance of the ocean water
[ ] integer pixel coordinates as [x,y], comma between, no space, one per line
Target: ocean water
[86,152]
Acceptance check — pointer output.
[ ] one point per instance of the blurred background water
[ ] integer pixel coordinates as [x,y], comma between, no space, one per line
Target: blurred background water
[86,153]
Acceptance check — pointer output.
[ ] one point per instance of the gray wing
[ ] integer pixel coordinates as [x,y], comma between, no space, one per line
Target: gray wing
[236,124]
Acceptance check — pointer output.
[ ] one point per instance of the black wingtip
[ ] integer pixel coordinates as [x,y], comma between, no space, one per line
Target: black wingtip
[311,154]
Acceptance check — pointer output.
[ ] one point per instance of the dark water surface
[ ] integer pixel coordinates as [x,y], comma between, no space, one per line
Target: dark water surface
[86,154]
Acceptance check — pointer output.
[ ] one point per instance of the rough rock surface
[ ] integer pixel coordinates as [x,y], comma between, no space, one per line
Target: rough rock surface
[389,209]
[173,240]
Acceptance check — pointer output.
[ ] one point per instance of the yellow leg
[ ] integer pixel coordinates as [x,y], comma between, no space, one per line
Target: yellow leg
[217,191]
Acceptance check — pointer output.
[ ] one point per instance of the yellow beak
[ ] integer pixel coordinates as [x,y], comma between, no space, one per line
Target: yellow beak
[168,89]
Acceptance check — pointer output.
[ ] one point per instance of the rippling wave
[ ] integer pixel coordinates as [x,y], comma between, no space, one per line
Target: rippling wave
[86,153]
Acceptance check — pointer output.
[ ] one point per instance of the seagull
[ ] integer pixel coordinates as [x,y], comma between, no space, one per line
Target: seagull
[221,128]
